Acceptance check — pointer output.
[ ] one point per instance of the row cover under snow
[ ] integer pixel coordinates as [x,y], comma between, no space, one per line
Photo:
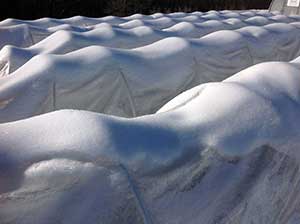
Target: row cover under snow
[62,42]
[136,82]
[224,152]
[81,21]
[24,34]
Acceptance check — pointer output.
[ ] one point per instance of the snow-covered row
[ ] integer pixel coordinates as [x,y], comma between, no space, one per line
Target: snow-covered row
[136,82]
[223,152]
[64,41]
[106,35]
[165,22]
[25,34]
[114,20]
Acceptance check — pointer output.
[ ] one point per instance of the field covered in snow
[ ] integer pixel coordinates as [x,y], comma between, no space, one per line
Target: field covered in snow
[154,119]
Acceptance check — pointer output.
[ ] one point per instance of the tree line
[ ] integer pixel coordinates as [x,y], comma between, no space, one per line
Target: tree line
[33,9]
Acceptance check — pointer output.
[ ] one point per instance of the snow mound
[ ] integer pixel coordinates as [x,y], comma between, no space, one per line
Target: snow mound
[210,152]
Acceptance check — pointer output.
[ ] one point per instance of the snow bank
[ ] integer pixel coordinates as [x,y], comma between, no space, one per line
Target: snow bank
[88,78]
[212,152]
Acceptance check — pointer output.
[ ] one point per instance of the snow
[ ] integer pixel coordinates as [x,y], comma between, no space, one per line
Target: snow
[31,32]
[129,120]
[140,74]
[24,35]
[61,153]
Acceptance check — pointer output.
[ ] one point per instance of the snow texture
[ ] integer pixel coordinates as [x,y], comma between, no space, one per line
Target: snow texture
[119,82]
[218,142]
[26,33]
[215,154]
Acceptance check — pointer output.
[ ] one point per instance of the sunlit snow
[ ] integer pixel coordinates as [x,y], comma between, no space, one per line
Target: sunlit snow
[180,118]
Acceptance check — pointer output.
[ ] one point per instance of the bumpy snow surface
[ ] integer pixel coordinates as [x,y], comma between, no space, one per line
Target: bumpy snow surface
[218,140]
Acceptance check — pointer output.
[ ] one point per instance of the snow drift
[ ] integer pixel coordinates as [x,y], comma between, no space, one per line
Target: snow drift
[215,154]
